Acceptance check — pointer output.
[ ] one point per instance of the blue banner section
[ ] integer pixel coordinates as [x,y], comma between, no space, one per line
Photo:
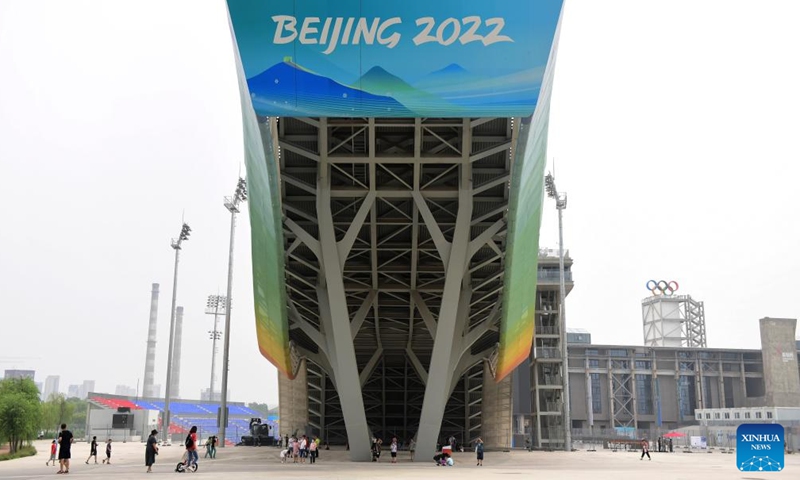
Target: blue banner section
[378,58]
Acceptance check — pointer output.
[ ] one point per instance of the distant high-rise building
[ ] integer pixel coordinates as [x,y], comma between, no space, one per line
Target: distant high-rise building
[20,374]
[74,391]
[50,386]
[156,390]
[40,387]
[205,397]
[86,388]
[150,359]
[125,390]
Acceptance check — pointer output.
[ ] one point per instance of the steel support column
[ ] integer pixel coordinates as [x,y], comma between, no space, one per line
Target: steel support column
[455,256]
[344,365]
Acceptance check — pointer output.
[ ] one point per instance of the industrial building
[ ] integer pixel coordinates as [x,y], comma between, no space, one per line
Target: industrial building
[645,391]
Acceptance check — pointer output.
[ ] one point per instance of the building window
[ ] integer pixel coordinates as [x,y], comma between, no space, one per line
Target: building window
[643,364]
[686,366]
[769,414]
[597,402]
[736,415]
[727,416]
[594,363]
[758,414]
[708,416]
[591,352]
[617,352]
[716,415]
[707,399]
[746,414]
[644,394]
[619,364]
[687,397]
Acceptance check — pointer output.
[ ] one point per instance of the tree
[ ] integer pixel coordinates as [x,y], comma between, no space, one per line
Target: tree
[55,411]
[20,411]
[261,408]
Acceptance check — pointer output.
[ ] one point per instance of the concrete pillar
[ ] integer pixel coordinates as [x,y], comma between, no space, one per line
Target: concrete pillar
[779,353]
[293,402]
[496,418]
[152,333]
[175,390]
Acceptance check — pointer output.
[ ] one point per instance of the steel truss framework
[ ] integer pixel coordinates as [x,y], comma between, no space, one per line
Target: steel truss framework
[395,241]
[674,321]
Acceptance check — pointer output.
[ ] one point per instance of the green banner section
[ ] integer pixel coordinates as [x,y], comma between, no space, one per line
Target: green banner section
[525,217]
[269,284]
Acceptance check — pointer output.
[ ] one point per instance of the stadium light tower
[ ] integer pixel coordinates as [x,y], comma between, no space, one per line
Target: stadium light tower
[561,204]
[215,306]
[176,245]
[232,204]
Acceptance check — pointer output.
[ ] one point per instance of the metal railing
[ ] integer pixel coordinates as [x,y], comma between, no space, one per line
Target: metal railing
[545,330]
[553,276]
[547,352]
[552,252]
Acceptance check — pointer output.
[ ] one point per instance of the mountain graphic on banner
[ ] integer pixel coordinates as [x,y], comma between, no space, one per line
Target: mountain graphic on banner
[289,89]
[378,81]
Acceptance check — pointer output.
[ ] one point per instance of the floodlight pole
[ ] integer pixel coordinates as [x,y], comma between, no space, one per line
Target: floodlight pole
[561,204]
[176,245]
[232,204]
[213,309]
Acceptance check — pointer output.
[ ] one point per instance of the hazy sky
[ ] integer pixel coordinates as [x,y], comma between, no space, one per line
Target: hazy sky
[674,129]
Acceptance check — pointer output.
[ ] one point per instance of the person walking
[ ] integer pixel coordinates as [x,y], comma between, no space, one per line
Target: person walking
[645,449]
[214,442]
[151,450]
[295,450]
[393,449]
[312,452]
[107,460]
[65,441]
[412,446]
[670,445]
[452,441]
[53,453]
[92,451]
[208,448]
[479,451]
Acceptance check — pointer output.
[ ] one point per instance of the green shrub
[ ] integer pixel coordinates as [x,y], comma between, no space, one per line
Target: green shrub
[26,451]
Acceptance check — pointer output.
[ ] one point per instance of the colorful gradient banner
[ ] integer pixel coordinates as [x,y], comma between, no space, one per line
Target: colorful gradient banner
[379,58]
[264,202]
[525,218]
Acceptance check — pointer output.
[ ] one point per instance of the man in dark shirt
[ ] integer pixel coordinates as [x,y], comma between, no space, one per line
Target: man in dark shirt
[65,441]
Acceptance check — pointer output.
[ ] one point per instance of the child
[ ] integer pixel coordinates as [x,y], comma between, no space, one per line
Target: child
[53,448]
[107,460]
[284,452]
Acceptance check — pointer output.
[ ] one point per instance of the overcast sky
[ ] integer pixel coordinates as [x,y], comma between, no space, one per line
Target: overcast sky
[674,130]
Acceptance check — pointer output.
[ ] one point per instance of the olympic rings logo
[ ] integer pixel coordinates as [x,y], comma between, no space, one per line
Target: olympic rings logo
[662,287]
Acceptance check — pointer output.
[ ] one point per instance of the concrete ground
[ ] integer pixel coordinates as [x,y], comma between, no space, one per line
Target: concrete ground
[247,463]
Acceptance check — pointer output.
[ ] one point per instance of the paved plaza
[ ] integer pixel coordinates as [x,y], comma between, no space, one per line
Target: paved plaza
[257,463]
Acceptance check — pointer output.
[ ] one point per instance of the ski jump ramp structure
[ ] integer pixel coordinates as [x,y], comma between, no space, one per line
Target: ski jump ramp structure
[395,154]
